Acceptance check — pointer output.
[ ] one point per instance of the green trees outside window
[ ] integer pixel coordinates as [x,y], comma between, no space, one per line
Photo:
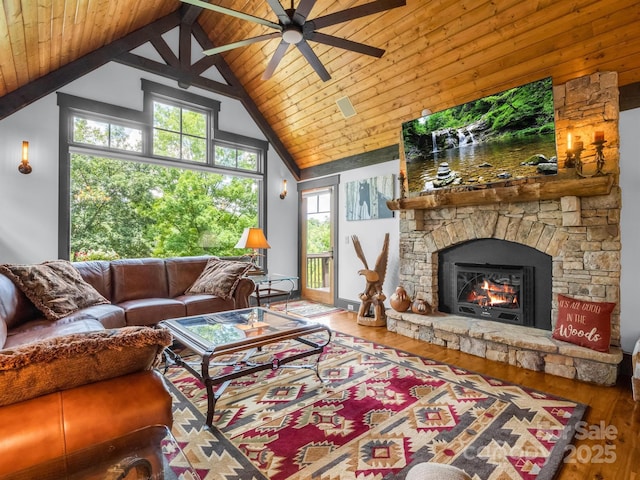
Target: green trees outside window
[125,209]
[130,208]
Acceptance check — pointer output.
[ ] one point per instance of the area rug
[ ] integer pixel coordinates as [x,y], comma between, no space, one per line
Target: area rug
[305,308]
[379,411]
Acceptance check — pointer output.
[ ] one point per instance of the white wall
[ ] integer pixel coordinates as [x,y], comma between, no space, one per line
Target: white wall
[29,203]
[630,228]
[371,235]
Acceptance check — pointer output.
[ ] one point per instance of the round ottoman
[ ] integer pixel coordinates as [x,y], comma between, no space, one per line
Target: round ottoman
[435,471]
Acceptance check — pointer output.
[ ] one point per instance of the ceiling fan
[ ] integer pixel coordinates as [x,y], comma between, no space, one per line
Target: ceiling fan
[293,28]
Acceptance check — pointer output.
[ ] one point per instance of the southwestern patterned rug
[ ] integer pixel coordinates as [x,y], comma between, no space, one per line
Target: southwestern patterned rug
[379,411]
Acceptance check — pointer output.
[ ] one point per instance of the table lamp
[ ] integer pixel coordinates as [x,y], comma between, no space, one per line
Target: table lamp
[253,238]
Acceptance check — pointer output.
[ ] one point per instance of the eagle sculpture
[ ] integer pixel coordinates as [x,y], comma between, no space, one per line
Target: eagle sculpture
[372,310]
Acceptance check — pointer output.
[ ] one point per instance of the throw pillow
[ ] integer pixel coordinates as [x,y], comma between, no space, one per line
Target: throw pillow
[61,363]
[219,277]
[584,323]
[55,288]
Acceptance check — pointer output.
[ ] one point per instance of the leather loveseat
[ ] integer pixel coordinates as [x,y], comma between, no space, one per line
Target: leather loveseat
[139,292]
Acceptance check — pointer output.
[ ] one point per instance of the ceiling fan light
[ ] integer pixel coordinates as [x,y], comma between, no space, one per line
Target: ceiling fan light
[292,36]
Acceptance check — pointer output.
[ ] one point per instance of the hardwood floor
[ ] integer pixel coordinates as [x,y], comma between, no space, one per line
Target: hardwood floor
[612,412]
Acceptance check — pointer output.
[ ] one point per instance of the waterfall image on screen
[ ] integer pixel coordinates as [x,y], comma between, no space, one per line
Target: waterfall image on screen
[502,137]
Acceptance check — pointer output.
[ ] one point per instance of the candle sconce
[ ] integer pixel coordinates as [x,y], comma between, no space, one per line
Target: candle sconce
[599,144]
[401,179]
[573,153]
[24,166]
[569,161]
[577,153]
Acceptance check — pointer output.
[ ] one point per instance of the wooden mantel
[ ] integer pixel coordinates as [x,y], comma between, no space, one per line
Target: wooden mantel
[543,189]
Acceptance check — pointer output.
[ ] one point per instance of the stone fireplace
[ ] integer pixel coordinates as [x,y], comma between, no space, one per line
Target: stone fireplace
[529,242]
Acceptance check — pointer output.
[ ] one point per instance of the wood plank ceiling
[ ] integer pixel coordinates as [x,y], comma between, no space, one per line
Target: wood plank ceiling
[439,53]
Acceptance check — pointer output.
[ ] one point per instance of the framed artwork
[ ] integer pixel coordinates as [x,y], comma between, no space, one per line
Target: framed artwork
[367,198]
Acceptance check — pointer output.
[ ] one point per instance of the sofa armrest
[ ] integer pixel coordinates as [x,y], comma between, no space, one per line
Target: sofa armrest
[46,428]
[243,290]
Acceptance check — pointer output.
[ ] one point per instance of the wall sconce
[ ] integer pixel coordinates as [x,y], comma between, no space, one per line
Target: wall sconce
[283,193]
[24,166]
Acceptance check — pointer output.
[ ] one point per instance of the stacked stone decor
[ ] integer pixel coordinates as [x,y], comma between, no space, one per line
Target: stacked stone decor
[581,234]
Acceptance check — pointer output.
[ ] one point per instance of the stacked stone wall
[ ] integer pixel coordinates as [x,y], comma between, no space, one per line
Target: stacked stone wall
[581,234]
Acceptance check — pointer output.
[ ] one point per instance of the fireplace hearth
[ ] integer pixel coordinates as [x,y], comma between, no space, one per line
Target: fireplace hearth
[494,292]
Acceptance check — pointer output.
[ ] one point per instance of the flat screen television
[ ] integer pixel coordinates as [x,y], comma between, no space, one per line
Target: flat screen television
[499,138]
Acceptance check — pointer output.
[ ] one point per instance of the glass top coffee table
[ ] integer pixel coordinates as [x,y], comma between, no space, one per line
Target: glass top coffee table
[230,345]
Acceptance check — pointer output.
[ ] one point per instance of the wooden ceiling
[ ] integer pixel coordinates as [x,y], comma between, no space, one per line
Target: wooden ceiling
[439,53]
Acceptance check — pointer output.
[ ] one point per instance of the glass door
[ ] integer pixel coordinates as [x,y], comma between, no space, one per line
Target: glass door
[317,271]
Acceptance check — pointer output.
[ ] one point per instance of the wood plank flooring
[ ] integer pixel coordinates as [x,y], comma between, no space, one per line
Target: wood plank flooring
[613,418]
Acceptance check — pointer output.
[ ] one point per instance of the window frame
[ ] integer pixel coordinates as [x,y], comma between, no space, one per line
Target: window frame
[71,106]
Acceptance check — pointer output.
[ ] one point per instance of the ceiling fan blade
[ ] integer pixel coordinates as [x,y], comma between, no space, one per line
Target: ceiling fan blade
[313,60]
[345,44]
[241,43]
[233,13]
[356,12]
[280,12]
[275,60]
[303,11]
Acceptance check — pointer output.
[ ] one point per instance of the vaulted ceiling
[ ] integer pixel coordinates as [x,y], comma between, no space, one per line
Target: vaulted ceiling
[439,53]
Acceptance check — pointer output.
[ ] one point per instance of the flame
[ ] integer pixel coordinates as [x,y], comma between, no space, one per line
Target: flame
[491,294]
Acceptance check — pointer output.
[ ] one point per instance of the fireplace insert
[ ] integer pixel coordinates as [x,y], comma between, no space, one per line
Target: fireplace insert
[523,273]
[499,292]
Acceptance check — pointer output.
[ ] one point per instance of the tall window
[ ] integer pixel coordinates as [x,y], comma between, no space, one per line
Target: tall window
[162,188]
[179,132]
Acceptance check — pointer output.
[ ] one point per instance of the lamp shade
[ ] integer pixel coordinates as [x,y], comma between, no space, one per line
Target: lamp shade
[253,238]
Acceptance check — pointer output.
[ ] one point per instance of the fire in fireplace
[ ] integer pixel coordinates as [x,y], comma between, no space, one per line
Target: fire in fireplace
[501,293]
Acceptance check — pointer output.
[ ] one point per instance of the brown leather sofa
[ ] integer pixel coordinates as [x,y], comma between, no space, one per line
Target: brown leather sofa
[141,291]
[49,408]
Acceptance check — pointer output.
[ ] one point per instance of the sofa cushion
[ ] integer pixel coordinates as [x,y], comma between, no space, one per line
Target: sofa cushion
[69,361]
[41,329]
[149,311]
[55,288]
[110,316]
[199,304]
[98,274]
[138,278]
[219,277]
[182,272]
[584,323]
[15,307]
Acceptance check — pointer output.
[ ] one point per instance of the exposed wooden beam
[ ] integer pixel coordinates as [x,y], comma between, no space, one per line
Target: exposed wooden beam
[380,155]
[164,50]
[43,86]
[183,77]
[189,13]
[630,96]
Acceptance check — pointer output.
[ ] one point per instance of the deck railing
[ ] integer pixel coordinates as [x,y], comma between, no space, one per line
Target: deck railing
[318,270]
